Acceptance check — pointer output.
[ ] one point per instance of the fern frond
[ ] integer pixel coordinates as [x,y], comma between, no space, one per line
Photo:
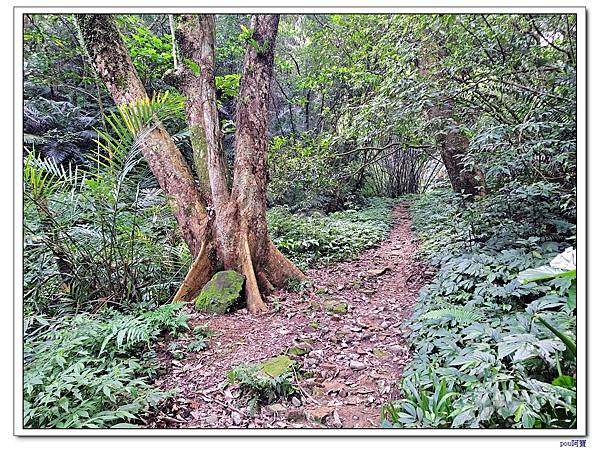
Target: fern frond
[29,139]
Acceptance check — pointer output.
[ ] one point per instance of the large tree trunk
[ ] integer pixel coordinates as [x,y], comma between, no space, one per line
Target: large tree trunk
[452,143]
[241,227]
[238,237]
[113,64]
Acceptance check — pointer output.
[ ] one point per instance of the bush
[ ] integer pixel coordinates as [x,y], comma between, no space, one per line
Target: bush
[93,371]
[310,241]
[101,235]
[481,356]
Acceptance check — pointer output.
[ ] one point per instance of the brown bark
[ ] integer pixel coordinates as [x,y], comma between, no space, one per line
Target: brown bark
[113,64]
[238,237]
[196,38]
[453,144]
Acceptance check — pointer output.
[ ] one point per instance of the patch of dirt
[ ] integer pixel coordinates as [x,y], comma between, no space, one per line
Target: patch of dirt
[354,362]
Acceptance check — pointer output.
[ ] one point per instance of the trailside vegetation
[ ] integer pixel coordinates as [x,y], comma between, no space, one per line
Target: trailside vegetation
[161,151]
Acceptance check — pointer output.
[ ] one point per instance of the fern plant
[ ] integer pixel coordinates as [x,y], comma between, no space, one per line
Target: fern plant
[90,371]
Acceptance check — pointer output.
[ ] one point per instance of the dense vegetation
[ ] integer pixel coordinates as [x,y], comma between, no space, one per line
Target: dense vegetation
[471,118]
[482,357]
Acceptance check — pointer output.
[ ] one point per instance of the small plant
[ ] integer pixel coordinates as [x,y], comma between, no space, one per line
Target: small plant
[203,334]
[299,286]
[267,381]
[276,303]
[199,344]
[430,406]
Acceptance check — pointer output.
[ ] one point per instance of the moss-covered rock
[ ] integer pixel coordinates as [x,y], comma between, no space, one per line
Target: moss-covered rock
[335,307]
[221,293]
[298,350]
[277,366]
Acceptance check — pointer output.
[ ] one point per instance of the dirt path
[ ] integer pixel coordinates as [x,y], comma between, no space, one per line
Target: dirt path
[354,360]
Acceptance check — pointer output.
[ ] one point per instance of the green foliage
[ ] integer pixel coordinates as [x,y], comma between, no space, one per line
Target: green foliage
[90,371]
[312,240]
[431,404]
[203,335]
[151,54]
[108,223]
[260,386]
[464,315]
[228,85]
[479,333]
[305,174]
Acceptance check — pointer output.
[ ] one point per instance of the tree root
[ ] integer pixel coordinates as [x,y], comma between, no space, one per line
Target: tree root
[254,299]
[198,275]
[281,269]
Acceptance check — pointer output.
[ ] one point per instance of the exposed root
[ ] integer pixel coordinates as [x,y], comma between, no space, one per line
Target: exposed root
[254,299]
[264,285]
[281,269]
[198,275]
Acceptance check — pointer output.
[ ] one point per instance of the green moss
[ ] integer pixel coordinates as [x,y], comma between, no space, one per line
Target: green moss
[298,350]
[334,307]
[221,293]
[277,366]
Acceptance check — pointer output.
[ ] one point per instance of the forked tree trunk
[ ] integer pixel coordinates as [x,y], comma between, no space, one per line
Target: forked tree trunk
[240,228]
[238,237]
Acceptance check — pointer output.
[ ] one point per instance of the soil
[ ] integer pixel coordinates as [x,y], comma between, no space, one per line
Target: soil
[354,362]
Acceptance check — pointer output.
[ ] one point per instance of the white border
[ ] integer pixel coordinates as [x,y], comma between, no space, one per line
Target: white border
[309,7]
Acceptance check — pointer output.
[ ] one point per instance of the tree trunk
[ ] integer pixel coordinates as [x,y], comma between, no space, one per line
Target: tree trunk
[113,64]
[241,227]
[238,238]
[196,37]
[453,145]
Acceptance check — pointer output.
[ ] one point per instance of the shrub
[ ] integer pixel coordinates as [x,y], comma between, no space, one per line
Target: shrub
[310,241]
[93,371]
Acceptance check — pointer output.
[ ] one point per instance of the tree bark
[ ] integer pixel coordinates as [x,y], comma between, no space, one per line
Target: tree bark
[113,64]
[196,37]
[238,238]
[452,143]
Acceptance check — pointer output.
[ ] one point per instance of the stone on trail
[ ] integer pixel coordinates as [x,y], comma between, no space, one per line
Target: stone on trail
[221,293]
[298,350]
[334,307]
[275,367]
[357,365]
[377,272]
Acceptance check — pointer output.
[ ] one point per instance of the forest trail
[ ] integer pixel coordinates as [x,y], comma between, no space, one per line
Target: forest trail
[354,359]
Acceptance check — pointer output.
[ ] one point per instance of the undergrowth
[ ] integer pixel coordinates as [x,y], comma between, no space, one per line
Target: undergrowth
[482,357]
[94,371]
[311,241]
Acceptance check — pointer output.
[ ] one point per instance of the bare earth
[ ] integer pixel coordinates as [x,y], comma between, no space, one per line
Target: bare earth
[355,360]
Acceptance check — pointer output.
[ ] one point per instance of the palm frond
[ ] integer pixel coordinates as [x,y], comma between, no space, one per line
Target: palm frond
[129,125]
